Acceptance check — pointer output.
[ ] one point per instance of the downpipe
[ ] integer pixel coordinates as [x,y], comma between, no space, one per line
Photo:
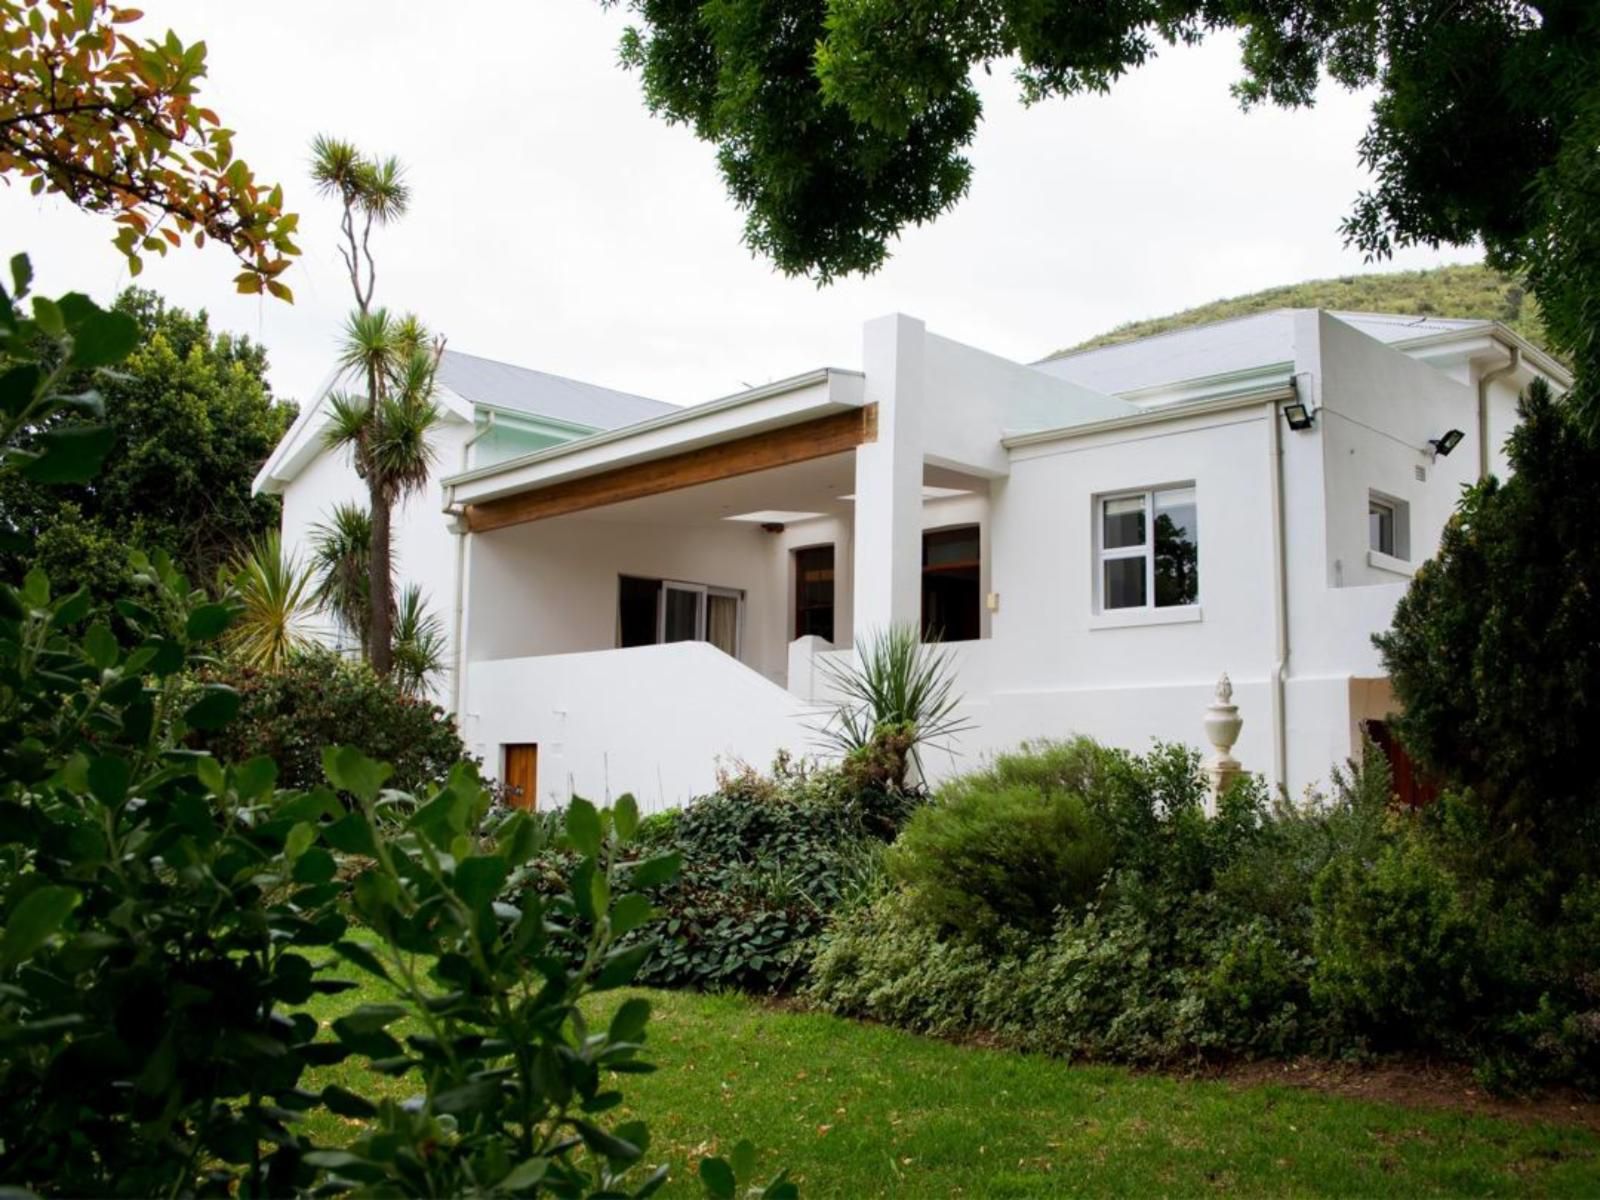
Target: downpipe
[459,616]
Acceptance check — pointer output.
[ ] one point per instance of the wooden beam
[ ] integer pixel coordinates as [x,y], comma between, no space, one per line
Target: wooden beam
[816,438]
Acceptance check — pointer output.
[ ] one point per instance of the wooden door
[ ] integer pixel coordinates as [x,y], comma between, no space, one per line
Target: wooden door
[522,776]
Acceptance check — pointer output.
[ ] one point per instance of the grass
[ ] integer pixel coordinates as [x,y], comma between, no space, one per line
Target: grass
[858,1110]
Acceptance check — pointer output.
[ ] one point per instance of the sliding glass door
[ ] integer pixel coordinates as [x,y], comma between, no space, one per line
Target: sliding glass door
[692,612]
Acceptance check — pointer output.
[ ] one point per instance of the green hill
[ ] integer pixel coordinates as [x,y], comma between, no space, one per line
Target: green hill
[1463,291]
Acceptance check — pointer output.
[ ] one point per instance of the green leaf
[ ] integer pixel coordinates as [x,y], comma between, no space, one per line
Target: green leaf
[100,645]
[469,1097]
[218,705]
[315,866]
[743,1159]
[607,1145]
[352,771]
[207,621]
[653,872]
[254,779]
[36,917]
[630,912]
[524,1175]
[346,1103]
[21,275]
[583,827]
[362,957]
[71,454]
[100,338]
[629,1023]
[351,834]
[478,880]
[108,780]
[626,815]
[717,1177]
[299,840]
[621,966]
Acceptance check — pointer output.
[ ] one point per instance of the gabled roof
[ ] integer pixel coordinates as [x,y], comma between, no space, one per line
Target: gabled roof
[468,382]
[502,385]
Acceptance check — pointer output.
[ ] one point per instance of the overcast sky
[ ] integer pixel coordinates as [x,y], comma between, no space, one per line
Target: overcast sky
[557,225]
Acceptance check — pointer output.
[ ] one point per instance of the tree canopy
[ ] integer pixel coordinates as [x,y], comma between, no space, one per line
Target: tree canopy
[193,419]
[116,126]
[839,122]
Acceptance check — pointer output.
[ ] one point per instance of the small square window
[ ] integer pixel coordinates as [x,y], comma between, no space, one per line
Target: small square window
[1149,549]
[1388,526]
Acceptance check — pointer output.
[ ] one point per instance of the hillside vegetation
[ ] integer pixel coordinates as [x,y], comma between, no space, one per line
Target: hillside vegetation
[1461,291]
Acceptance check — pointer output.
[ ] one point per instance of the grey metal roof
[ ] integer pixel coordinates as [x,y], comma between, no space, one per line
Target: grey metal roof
[501,385]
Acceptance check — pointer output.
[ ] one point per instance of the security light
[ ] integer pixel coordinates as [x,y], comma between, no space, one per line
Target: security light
[1450,440]
[1298,415]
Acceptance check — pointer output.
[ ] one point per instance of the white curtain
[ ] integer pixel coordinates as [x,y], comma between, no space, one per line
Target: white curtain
[722,623]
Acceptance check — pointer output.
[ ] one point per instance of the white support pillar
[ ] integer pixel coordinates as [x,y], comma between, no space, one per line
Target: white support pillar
[888,505]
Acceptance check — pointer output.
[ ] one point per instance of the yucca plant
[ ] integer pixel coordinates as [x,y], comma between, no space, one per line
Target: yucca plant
[419,643]
[274,592]
[894,697]
[341,549]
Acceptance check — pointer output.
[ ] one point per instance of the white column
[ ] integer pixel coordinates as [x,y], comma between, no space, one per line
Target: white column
[888,507]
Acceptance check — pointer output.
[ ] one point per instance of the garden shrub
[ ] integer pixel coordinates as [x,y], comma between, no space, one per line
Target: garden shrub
[766,860]
[322,699]
[986,854]
[1398,944]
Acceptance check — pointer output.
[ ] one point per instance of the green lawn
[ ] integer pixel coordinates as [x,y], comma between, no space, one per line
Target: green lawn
[856,1110]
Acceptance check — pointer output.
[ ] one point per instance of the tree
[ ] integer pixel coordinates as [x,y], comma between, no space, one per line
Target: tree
[419,644]
[839,122]
[370,192]
[386,433]
[191,417]
[1494,654]
[116,126]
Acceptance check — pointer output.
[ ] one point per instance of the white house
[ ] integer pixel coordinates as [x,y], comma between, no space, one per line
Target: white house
[1096,538]
[489,412]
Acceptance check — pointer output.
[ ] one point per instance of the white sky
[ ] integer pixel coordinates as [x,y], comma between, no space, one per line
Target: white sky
[557,225]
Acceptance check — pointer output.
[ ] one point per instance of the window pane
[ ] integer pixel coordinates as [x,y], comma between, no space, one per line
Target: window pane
[1380,527]
[1124,582]
[943,547]
[683,615]
[1177,548]
[1124,523]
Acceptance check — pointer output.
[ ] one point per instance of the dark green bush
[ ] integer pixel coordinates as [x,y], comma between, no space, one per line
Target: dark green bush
[1494,652]
[987,854]
[1399,945]
[766,860]
[321,699]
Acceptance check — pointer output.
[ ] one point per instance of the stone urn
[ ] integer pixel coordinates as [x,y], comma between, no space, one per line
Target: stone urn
[1223,723]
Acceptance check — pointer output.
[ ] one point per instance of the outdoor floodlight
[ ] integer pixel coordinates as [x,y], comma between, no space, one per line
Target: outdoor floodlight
[1450,440]
[1298,415]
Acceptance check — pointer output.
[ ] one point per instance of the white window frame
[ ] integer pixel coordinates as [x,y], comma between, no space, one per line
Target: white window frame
[1147,551]
[701,591]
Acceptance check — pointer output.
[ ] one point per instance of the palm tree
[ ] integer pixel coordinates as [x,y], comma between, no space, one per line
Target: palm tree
[274,591]
[341,552]
[372,191]
[386,432]
[419,645]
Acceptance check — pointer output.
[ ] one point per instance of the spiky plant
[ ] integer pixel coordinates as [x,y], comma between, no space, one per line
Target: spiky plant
[274,592]
[371,191]
[894,697]
[386,432]
[419,643]
[341,550]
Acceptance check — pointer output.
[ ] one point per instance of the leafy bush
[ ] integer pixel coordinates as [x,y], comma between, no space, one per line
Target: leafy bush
[982,856]
[1193,940]
[320,699]
[1398,945]
[766,860]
